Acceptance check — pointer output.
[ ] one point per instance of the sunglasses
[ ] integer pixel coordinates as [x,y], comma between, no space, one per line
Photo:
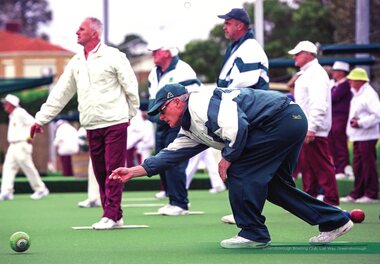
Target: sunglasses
[161,111]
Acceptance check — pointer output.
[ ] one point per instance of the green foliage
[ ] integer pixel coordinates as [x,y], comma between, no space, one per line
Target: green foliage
[31,101]
[30,14]
[205,57]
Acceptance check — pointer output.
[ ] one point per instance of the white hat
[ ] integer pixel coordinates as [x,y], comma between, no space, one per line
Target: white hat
[304,46]
[164,46]
[12,99]
[341,66]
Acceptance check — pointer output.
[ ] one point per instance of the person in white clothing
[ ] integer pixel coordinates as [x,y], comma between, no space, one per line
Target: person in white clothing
[363,130]
[93,195]
[312,93]
[207,157]
[19,153]
[66,142]
[140,141]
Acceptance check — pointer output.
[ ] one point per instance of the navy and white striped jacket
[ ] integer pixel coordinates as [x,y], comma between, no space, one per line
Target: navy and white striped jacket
[245,65]
[218,118]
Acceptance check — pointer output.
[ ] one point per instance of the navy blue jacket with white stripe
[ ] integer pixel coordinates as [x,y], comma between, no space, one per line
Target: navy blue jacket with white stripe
[245,65]
[218,118]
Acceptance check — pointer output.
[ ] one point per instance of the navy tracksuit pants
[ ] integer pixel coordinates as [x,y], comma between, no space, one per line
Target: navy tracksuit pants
[264,172]
[173,179]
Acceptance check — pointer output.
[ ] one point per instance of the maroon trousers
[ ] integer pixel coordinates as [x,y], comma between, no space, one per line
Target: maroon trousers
[317,170]
[365,170]
[338,143]
[108,150]
[66,164]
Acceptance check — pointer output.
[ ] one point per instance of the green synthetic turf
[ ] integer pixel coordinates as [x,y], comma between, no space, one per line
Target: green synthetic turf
[184,239]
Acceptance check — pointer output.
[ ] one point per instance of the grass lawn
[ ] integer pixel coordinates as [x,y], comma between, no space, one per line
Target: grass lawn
[184,239]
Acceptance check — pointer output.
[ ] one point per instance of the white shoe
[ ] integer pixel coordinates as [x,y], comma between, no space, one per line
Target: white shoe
[217,189]
[90,203]
[172,210]
[327,237]
[320,197]
[241,242]
[228,219]
[39,194]
[366,200]
[6,197]
[349,171]
[160,195]
[341,176]
[347,199]
[106,223]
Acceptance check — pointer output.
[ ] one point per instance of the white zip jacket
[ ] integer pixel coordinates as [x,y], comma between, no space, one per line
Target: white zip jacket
[312,93]
[365,105]
[106,86]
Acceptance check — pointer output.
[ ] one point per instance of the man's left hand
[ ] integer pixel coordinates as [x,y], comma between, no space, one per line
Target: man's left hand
[222,168]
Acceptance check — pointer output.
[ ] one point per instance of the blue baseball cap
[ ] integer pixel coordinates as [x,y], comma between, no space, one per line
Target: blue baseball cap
[238,14]
[166,93]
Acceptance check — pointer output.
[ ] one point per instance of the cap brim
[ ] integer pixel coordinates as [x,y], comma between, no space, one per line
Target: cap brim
[154,110]
[223,16]
[293,51]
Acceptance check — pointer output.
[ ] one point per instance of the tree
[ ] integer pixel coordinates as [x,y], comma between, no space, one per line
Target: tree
[133,45]
[28,13]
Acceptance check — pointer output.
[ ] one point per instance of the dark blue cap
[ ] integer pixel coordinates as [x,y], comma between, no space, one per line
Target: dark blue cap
[166,93]
[238,14]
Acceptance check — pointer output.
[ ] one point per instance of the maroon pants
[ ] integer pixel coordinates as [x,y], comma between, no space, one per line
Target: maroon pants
[66,164]
[318,170]
[338,143]
[365,170]
[108,150]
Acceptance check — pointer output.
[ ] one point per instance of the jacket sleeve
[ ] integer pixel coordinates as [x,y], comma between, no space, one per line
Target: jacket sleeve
[59,96]
[128,81]
[181,149]
[318,106]
[232,128]
[372,113]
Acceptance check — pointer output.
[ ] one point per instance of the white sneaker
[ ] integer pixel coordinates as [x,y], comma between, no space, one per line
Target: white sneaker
[39,194]
[327,237]
[228,219]
[347,199]
[320,197]
[241,242]
[340,176]
[106,223]
[160,195]
[90,203]
[366,200]
[349,171]
[172,210]
[6,197]
[217,189]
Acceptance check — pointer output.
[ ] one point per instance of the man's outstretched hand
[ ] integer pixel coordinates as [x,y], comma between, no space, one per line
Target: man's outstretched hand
[123,174]
[35,128]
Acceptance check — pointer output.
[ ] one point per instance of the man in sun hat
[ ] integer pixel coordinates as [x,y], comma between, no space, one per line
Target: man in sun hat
[312,93]
[259,134]
[19,153]
[363,130]
[340,101]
